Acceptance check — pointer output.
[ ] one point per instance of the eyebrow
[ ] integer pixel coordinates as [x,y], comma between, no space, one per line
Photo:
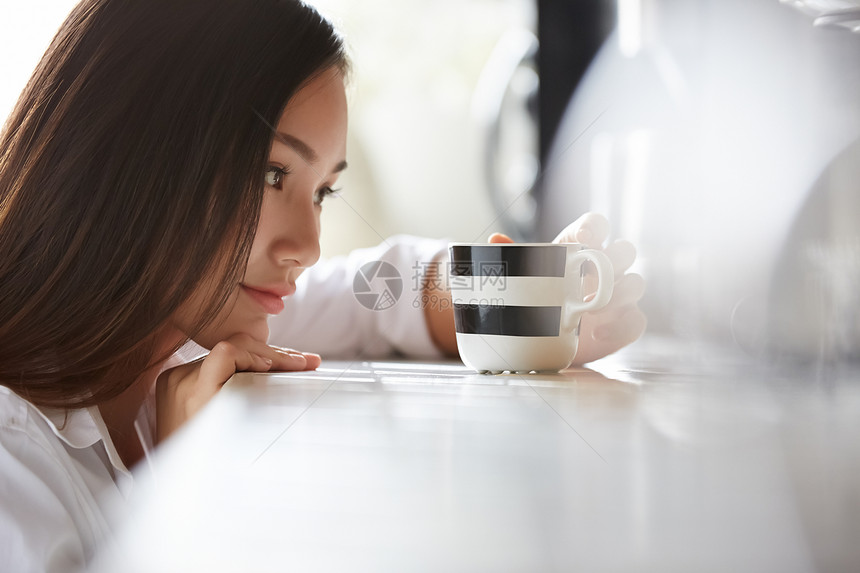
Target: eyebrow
[305,150]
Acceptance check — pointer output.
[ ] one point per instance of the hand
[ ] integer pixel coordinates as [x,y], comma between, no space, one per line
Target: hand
[182,391]
[620,322]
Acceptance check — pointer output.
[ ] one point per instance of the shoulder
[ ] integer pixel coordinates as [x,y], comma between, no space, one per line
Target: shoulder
[21,421]
[44,521]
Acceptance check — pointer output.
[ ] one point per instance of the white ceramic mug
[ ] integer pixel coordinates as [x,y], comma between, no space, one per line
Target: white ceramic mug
[517,306]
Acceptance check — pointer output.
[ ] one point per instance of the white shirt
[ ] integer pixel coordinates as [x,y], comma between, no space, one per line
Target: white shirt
[61,479]
[60,474]
[56,481]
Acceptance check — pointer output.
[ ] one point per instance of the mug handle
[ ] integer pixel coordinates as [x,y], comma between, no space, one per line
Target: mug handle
[605,279]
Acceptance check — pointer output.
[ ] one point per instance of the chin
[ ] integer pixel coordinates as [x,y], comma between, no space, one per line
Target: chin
[258,330]
[261,334]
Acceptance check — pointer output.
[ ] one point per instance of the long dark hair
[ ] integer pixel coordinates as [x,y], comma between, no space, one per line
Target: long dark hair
[131,169]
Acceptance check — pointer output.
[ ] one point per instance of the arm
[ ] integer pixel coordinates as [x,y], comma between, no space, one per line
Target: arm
[325,316]
[438,306]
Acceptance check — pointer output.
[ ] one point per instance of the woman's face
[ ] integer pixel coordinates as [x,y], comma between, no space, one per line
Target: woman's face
[307,155]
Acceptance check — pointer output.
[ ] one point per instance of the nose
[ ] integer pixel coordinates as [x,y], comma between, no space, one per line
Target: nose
[298,240]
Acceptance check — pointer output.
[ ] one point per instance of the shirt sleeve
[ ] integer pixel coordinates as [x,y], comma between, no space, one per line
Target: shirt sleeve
[367,304]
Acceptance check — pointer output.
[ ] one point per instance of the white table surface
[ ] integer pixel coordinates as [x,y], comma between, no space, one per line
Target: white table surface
[654,461]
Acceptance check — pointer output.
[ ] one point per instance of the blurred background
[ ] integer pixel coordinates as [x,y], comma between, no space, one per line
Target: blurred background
[720,136]
[417,129]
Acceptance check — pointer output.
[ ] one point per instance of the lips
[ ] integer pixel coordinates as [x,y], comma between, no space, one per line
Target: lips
[270,299]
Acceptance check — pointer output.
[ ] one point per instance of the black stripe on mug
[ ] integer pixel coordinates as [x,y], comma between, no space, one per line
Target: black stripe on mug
[508,261]
[507,320]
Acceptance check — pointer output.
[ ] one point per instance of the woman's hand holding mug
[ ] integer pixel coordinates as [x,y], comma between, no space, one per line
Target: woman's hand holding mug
[620,322]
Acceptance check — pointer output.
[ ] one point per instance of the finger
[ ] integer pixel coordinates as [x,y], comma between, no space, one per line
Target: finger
[628,290]
[312,361]
[284,349]
[590,229]
[499,238]
[226,359]
[248,360]
[610,336]
[284,359]
[296,360]
[622,254]
[621,332]
[290,362]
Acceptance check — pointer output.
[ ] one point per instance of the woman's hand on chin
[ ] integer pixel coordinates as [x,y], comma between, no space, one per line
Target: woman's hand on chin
[182,391]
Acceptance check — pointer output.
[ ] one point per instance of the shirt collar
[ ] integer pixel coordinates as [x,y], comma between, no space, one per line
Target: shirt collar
[82,428]
[76,428]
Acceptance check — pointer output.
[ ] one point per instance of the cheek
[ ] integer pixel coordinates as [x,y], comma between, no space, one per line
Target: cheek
[283,224]
[266,231]
[189,313]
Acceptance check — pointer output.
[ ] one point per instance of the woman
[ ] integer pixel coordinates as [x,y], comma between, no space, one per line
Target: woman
[133,171]
[161,181]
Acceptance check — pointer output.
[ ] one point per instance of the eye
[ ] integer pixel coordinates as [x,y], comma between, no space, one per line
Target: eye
[275,176]
[323,193]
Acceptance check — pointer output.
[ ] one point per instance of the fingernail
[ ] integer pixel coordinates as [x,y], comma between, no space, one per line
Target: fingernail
[268,361]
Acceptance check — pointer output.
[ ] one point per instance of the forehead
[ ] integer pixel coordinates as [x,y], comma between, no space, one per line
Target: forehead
[317,114]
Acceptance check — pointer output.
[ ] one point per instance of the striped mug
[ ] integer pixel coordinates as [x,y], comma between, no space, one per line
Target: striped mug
[517,306]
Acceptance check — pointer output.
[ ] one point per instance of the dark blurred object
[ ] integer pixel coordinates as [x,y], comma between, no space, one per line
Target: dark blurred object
[570,34]
[522,95]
